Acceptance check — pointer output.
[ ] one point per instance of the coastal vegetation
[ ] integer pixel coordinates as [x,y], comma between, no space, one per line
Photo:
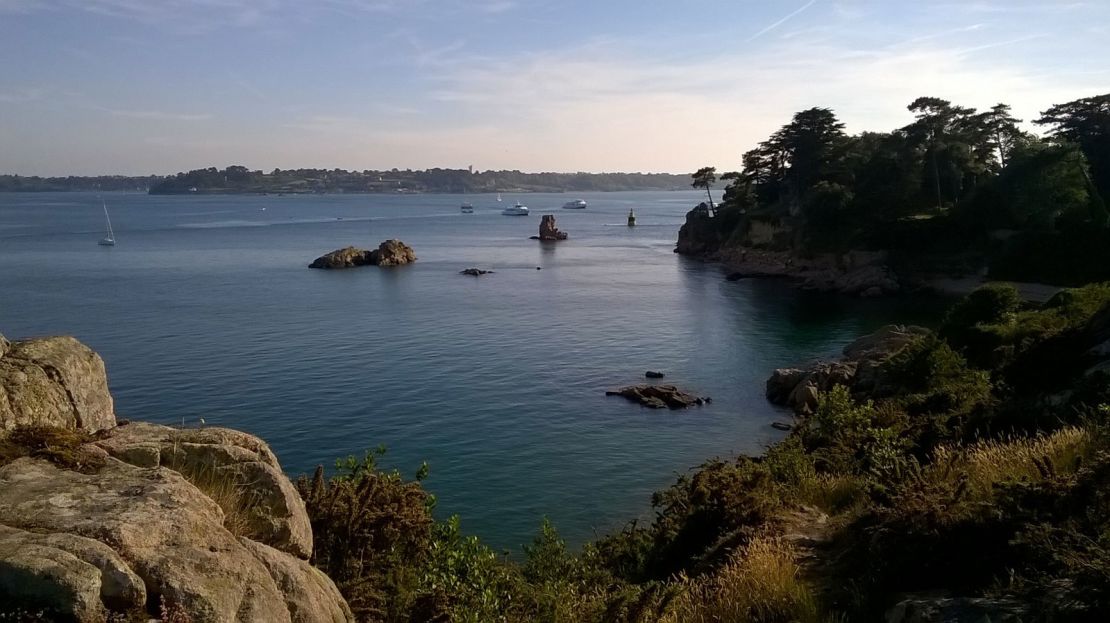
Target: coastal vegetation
[955,190]
[973,475]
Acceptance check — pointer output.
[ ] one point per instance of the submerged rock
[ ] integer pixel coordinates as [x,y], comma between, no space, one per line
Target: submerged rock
[476,272]
[388,253]
[659,396]
[652,374]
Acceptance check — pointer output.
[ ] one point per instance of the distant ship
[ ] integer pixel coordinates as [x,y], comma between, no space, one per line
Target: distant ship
[517,210]
[577,204]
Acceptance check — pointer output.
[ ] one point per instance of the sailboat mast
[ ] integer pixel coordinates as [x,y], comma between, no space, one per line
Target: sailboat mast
[107,219]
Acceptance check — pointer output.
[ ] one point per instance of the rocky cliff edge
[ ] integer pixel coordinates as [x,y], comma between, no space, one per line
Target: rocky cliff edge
[99,518]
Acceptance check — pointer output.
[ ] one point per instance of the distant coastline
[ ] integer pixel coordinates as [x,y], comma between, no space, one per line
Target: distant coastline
[240,180]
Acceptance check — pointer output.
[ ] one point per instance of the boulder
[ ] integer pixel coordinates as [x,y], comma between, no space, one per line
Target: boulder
[393,253]
[548,231]
[858,369]
[276,514]
[652,374]
[171,535]
[343,258]
[66,574]
[659,396]
[310,595]
[476,272]
[54,381]
[388,253]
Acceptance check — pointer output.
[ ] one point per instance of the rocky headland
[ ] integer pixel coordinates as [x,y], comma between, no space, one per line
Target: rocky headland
[763,248]
[389,253]
[101,518]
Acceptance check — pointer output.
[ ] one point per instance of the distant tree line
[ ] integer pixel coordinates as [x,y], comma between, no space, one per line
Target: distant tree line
[34,183]
[954,179]
[239,179]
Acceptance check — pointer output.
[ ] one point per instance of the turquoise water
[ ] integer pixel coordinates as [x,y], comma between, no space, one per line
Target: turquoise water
[205,309]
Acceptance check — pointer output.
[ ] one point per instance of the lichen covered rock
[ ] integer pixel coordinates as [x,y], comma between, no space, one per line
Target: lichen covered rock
[54,381]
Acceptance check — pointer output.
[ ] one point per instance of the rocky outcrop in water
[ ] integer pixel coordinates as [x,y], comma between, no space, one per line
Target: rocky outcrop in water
[548,230]
[858,369]
[388,253]
[659,396]
[53,381]
[475,272]
[202,520]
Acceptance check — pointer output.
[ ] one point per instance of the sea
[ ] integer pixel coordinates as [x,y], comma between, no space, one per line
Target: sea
[206,314]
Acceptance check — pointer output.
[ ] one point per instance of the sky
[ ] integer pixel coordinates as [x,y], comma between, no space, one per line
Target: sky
[159,86]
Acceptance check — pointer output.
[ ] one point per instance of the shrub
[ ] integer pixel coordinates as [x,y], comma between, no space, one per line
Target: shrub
[61,446]
[372,534]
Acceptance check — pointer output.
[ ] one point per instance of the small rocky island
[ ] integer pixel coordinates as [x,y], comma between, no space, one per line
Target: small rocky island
[548,231]
[659,396]
[389,253]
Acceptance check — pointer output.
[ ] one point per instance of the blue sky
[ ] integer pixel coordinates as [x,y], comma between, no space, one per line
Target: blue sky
[158,86]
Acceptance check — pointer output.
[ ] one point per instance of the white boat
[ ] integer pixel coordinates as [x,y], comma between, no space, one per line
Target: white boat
[577,204]
[110,239]
[499,196]
[466,208]
[517,210]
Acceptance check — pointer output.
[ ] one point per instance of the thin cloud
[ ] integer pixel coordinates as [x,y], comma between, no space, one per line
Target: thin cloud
[158,115]
[782,21]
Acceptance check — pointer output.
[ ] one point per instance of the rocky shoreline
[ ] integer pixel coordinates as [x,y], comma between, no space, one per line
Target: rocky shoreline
[101,518]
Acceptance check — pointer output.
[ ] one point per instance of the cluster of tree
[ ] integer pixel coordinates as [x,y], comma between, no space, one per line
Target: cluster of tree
[34,183]
[975,171]
[238,179]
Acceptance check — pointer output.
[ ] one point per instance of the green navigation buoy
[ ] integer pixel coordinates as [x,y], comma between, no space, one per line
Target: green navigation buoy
[631,218]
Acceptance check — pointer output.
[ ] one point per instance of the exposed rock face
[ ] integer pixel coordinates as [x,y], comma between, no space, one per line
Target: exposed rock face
[548,231]
[343,258]
[388,253]
[659,396]
[55,381]
[858,370]
[699,235]
[145,525]
[393,253]
[276,515]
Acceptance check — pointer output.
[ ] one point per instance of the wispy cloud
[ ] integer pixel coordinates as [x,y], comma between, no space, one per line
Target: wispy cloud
[23,94]
[783,20]
[158,115]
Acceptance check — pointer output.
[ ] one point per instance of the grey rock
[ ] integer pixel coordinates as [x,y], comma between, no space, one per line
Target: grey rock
[54,381]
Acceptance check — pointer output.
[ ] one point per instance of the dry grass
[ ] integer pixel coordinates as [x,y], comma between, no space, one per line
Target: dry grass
[760,584]
[832,493]
[239,503]
[987,463]
[61,446]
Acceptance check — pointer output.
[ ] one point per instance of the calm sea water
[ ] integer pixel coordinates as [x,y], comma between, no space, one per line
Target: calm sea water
[205,309]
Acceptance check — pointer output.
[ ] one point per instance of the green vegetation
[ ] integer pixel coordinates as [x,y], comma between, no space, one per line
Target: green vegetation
[954,190]
[978,467]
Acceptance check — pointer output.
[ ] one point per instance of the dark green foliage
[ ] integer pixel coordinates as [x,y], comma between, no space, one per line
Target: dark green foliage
[1086,122]
[372,533]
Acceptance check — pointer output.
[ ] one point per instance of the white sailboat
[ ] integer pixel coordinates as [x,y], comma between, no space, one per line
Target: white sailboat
[110,239]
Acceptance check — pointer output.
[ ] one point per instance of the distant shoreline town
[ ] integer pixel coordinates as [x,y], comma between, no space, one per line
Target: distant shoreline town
[241,180]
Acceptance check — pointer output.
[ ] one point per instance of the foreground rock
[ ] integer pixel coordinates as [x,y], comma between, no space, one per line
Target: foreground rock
[548,230]
[858,370]
[55,381]
[203,520]
[659,396]
[388,253]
